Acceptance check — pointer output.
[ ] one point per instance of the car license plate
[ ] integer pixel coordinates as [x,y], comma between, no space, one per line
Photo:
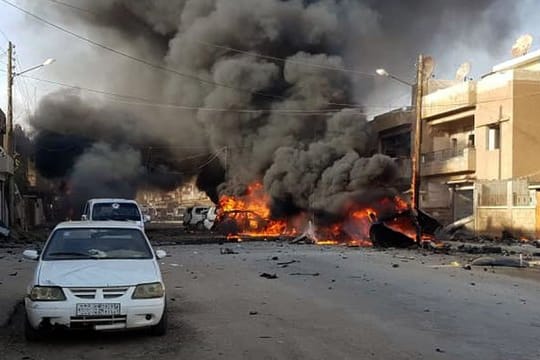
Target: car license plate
[98,309]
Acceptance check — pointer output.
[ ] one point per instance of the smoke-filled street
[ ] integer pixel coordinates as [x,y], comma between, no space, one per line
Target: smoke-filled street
[326,302]
[269,179]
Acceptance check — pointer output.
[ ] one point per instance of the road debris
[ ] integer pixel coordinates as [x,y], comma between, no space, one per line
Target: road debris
[287,263]
[268,276]
[305,274]
[253,313]
[227,251]
[500,261]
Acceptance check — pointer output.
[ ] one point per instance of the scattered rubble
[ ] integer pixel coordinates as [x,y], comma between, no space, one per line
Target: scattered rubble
[227,251]
[500,261]
[287,262]
[269,276]
[485,249]
[305,274]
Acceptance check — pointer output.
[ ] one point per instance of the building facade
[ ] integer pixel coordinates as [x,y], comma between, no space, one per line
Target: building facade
[479,146]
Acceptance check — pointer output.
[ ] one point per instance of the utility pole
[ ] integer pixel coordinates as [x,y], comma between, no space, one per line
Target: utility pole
[8,141]
[417,154]
[9,116]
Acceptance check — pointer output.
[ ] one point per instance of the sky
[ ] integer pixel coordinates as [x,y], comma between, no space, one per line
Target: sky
[36,42]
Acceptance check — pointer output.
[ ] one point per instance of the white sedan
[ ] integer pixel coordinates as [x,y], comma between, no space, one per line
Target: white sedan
[100,275]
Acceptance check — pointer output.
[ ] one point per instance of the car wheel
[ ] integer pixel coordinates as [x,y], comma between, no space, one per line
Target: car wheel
[30,333]
[161,328]
[200,226]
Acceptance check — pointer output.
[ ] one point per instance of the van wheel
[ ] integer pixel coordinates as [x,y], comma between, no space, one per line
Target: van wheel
[161,328]
[30,333]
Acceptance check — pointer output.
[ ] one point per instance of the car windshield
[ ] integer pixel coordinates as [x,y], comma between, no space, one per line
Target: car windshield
[97,243]
[116,211]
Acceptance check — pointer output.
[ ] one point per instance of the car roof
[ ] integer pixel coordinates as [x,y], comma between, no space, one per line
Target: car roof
[97,224]
[109,200]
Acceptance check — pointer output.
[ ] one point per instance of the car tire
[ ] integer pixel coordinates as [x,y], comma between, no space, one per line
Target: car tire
[30,333]
[161,328]
[200,226]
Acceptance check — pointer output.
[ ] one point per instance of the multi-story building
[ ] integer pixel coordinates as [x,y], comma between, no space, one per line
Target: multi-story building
[171,205]
[479,147]
[393,132]
[6,171]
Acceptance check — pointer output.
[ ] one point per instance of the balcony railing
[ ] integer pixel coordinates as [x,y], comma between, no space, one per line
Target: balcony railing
[450,160]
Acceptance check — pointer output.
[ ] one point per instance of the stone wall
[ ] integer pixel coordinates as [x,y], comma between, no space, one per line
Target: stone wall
[518,220]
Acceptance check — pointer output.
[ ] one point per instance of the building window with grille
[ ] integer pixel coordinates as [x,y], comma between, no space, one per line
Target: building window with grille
[494,137]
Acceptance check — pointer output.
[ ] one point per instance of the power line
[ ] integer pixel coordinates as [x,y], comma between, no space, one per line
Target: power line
[148,102]
[245,52]
[151,64]
[73,7]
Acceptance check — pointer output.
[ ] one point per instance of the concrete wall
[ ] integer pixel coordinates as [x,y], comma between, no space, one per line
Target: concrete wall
[518,220]
[494,106]
[526,123]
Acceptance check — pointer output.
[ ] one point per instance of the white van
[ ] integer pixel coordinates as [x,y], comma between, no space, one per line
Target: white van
[114,209]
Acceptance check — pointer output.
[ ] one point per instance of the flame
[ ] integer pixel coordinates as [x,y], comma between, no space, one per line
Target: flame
[252,216]
[251,213]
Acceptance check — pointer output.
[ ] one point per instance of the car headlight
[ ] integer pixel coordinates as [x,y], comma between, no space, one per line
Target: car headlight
[149,291]
[47,293]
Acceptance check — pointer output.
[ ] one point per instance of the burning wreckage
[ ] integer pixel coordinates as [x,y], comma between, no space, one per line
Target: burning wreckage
[389,223]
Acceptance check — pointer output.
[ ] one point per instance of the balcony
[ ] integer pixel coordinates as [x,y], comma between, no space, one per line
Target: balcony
[6,165]
[450,99]
[448,161]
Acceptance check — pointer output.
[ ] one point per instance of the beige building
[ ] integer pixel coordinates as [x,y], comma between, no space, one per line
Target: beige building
[479,149]
[171,205]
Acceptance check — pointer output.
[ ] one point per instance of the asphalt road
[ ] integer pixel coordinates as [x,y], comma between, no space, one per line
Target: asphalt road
[332,303]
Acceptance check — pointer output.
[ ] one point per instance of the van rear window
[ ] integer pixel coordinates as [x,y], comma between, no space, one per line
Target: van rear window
[116,211]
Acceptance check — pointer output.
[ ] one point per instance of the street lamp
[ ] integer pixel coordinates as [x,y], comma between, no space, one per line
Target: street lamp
[9,143]
[49,61]
[416,152]
[383,72]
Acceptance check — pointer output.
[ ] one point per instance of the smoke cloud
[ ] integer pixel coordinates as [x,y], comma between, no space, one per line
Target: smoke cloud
[112,147]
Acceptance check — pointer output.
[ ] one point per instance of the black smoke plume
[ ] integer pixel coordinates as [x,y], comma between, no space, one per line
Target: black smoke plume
[106,147]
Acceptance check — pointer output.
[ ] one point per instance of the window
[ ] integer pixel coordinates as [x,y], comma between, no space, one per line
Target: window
[116,211]
[494,137]
[470,140]
[97,243]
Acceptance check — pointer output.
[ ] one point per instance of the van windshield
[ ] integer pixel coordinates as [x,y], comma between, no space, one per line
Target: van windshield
[116,211]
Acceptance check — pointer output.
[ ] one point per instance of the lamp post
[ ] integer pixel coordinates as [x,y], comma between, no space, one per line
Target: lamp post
[9,143]
[417,148]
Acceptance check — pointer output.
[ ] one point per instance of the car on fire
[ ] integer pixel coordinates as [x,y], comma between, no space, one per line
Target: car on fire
[236,221]
[99,275]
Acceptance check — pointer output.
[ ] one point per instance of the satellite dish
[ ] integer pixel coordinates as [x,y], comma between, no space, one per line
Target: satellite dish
[463,70]
[522,45]
[429,66]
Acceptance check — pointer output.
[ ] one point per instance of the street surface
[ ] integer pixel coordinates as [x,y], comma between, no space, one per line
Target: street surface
[331,303]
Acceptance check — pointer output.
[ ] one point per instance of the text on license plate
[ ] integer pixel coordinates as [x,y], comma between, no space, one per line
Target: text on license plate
[98,309]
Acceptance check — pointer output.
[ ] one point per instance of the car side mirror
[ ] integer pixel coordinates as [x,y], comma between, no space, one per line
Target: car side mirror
[160,254]
[31,254]
[84,217]
[147,218]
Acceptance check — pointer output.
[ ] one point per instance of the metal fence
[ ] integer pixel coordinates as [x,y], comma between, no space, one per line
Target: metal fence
[445,154]
[495,193]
